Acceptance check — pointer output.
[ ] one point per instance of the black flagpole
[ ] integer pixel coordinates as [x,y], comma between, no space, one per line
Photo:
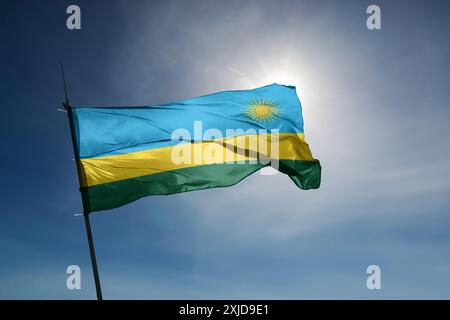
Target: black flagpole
[87,223]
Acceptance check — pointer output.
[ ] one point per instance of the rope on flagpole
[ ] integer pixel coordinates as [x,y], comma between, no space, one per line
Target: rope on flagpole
[68,109]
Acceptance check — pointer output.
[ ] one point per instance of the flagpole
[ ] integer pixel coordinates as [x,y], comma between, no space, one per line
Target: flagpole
[98,288]
[86,212]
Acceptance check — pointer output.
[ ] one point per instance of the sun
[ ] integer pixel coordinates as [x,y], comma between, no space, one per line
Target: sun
[262,110]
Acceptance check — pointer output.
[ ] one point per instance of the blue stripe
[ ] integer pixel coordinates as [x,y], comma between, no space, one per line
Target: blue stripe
[119,130]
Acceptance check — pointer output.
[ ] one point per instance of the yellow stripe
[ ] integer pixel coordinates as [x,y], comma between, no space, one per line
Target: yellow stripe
[291,146]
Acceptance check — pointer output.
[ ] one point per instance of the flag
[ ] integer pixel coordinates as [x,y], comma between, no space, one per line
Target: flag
[126,153]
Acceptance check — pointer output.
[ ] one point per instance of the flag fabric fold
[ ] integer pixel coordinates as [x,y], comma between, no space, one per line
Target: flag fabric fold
[126,153]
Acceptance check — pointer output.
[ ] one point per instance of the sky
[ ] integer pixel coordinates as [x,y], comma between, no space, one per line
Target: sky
[376,107]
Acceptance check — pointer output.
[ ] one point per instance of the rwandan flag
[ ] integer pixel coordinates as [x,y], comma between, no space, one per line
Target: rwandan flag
[126,153]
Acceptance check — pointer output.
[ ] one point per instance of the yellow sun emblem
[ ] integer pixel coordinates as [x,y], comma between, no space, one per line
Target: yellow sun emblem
[262,110]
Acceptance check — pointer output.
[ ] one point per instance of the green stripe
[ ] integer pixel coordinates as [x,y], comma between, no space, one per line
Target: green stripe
[305,174]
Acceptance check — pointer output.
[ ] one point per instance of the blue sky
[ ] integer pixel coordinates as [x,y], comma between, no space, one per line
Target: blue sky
[376,107]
